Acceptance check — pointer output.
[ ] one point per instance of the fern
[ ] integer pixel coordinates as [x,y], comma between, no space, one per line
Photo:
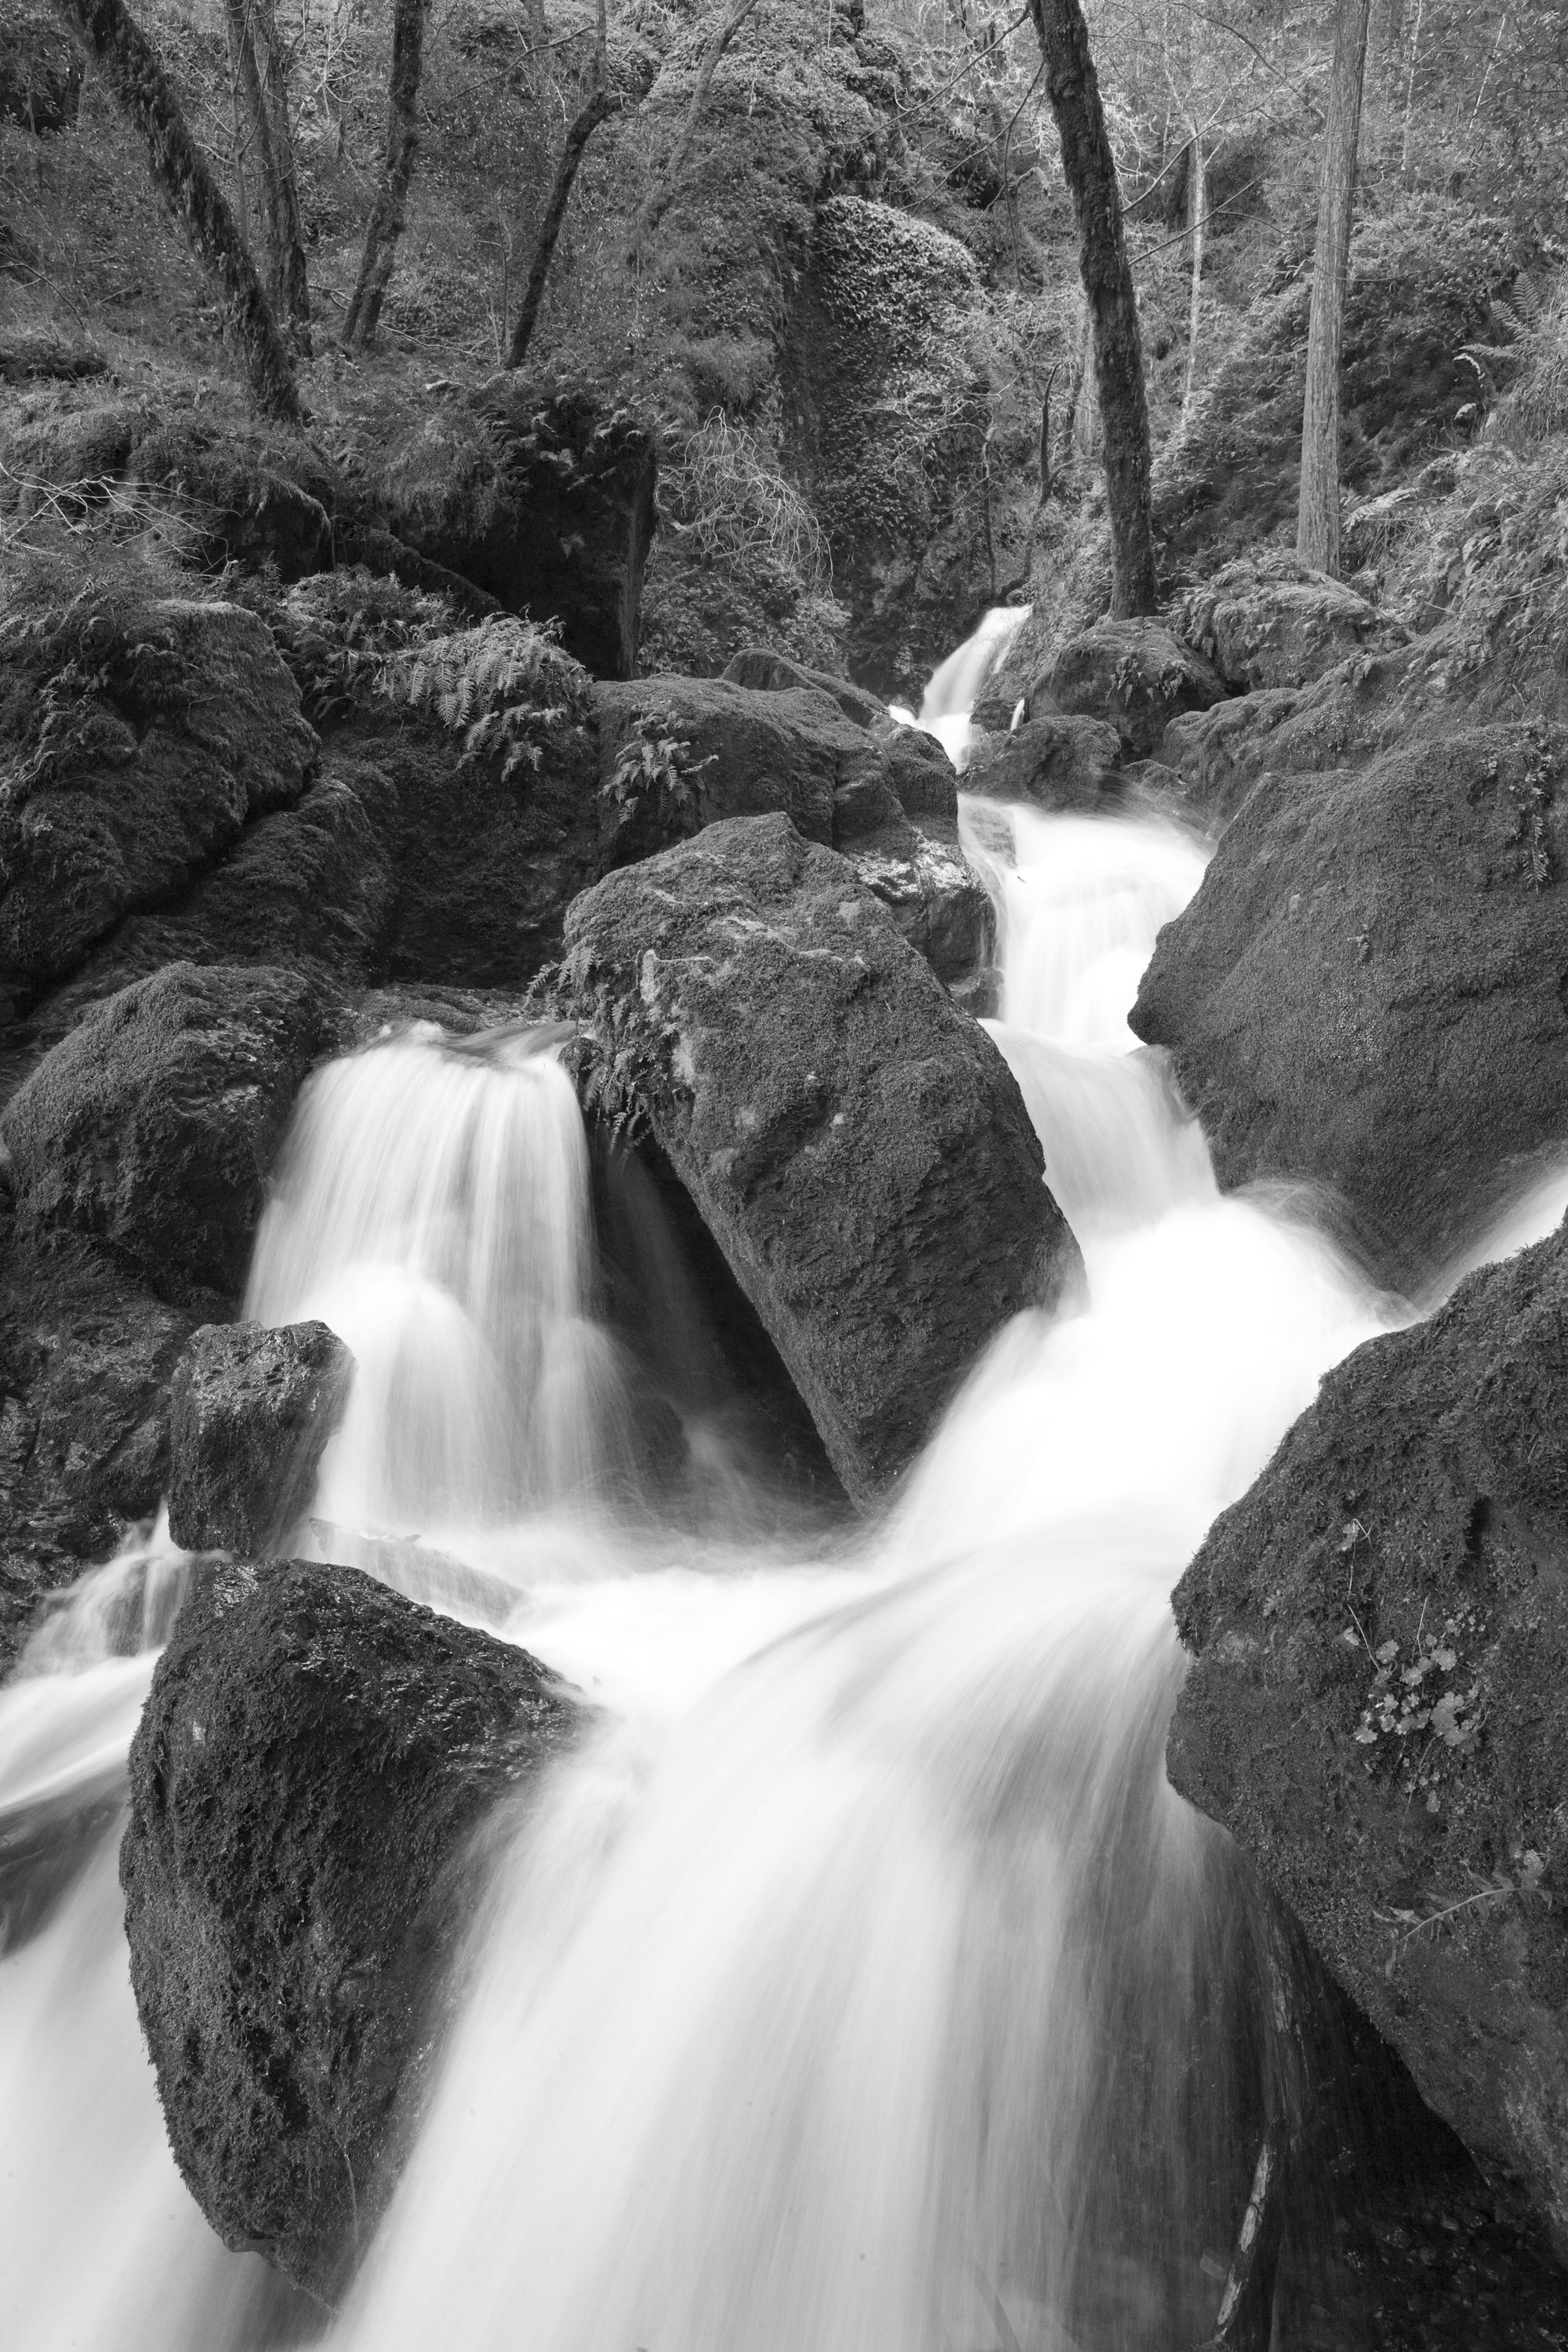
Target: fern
[504,685]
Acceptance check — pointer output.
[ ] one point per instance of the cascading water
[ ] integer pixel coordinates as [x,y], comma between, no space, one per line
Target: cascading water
[955,686]
[861,1986]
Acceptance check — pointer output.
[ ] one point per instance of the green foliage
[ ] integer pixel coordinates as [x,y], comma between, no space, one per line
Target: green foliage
[339,630]
[653,773]
[725,490]
[502,686]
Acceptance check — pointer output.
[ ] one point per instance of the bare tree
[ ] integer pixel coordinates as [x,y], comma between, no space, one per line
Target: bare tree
[134,72]
[1090,168]
[261,78]
[597,107]
[1317,518]
[658,201]
[388,214]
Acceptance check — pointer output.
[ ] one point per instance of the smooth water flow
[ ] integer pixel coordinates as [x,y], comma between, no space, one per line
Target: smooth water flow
[860,1986]
[954,688]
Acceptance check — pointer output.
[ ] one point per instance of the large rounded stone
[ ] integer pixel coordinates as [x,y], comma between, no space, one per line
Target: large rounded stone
[1378,1709]
[153,1127]
[1369,989]
[250,1413]
[316,1755]
[857,1146]
[1133,673]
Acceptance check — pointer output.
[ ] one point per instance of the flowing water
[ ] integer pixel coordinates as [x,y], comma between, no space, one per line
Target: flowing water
[860,1986]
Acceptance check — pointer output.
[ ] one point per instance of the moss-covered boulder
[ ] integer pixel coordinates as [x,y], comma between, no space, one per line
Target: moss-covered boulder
[139,733]
[887,409]
[1377,1709]
[855,1145]
[153,1127]
[250,1411]
[1367,991]
[1272,620]
[316,1758]
[1134,675]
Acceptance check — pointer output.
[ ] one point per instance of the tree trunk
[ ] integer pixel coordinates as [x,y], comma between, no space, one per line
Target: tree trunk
[658,201]
[599,105]
[258,68]
[1198,221]
[388,214]
[1091,170]
[181,173]
[1317,520]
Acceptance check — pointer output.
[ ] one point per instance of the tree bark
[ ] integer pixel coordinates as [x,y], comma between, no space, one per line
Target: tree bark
[1090,168]
[258,66]
[1318,516]
[181,173]
[389,214]
[1198,221]
[599,105]
[658,201]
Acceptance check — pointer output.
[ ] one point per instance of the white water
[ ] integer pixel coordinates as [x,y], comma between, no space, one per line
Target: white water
[955,686]
[843,1995]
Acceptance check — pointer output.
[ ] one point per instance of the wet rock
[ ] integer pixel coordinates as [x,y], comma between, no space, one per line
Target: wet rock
[767,672]
[1378,1707]
[1365,991]
[1133,673]
[678,753]
[40,69]
[1220,753]
[87,1354]
[548,504]
[921,774]
[316,1758]
[935,896]
[1272,620]
[1057,763]
[250,1413]
[857,1147]
[152,1128]
[135,776]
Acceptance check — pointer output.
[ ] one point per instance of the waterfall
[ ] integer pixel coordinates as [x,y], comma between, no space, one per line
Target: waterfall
[861,1986]
[955,686]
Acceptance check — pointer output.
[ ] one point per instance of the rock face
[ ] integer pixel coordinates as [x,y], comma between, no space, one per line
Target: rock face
[1378,1710]
[128,785]
[1367,990]
[935,896]
[1132,673]
[249,1416]
[768,672]
[548,507]
[86,1356]
[857,1147]
[1057,763]
[678,753]
[887,417]
[1275,622]
[150,1129]
[921,774]
[316,1755]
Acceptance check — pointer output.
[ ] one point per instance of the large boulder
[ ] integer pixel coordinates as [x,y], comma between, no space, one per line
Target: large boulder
[767,671]
[152,1128]
[921,774]
[547,504]
[316,1755]
[1367,990]
[1132,674]
[1272,620]
[250,1413]
[141,734]
[935,896]
[1055,761]
[857,1146]
[678,753]
[1378,1707]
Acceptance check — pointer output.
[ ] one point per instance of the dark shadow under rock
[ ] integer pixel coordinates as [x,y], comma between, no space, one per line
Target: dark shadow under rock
[315,1761]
